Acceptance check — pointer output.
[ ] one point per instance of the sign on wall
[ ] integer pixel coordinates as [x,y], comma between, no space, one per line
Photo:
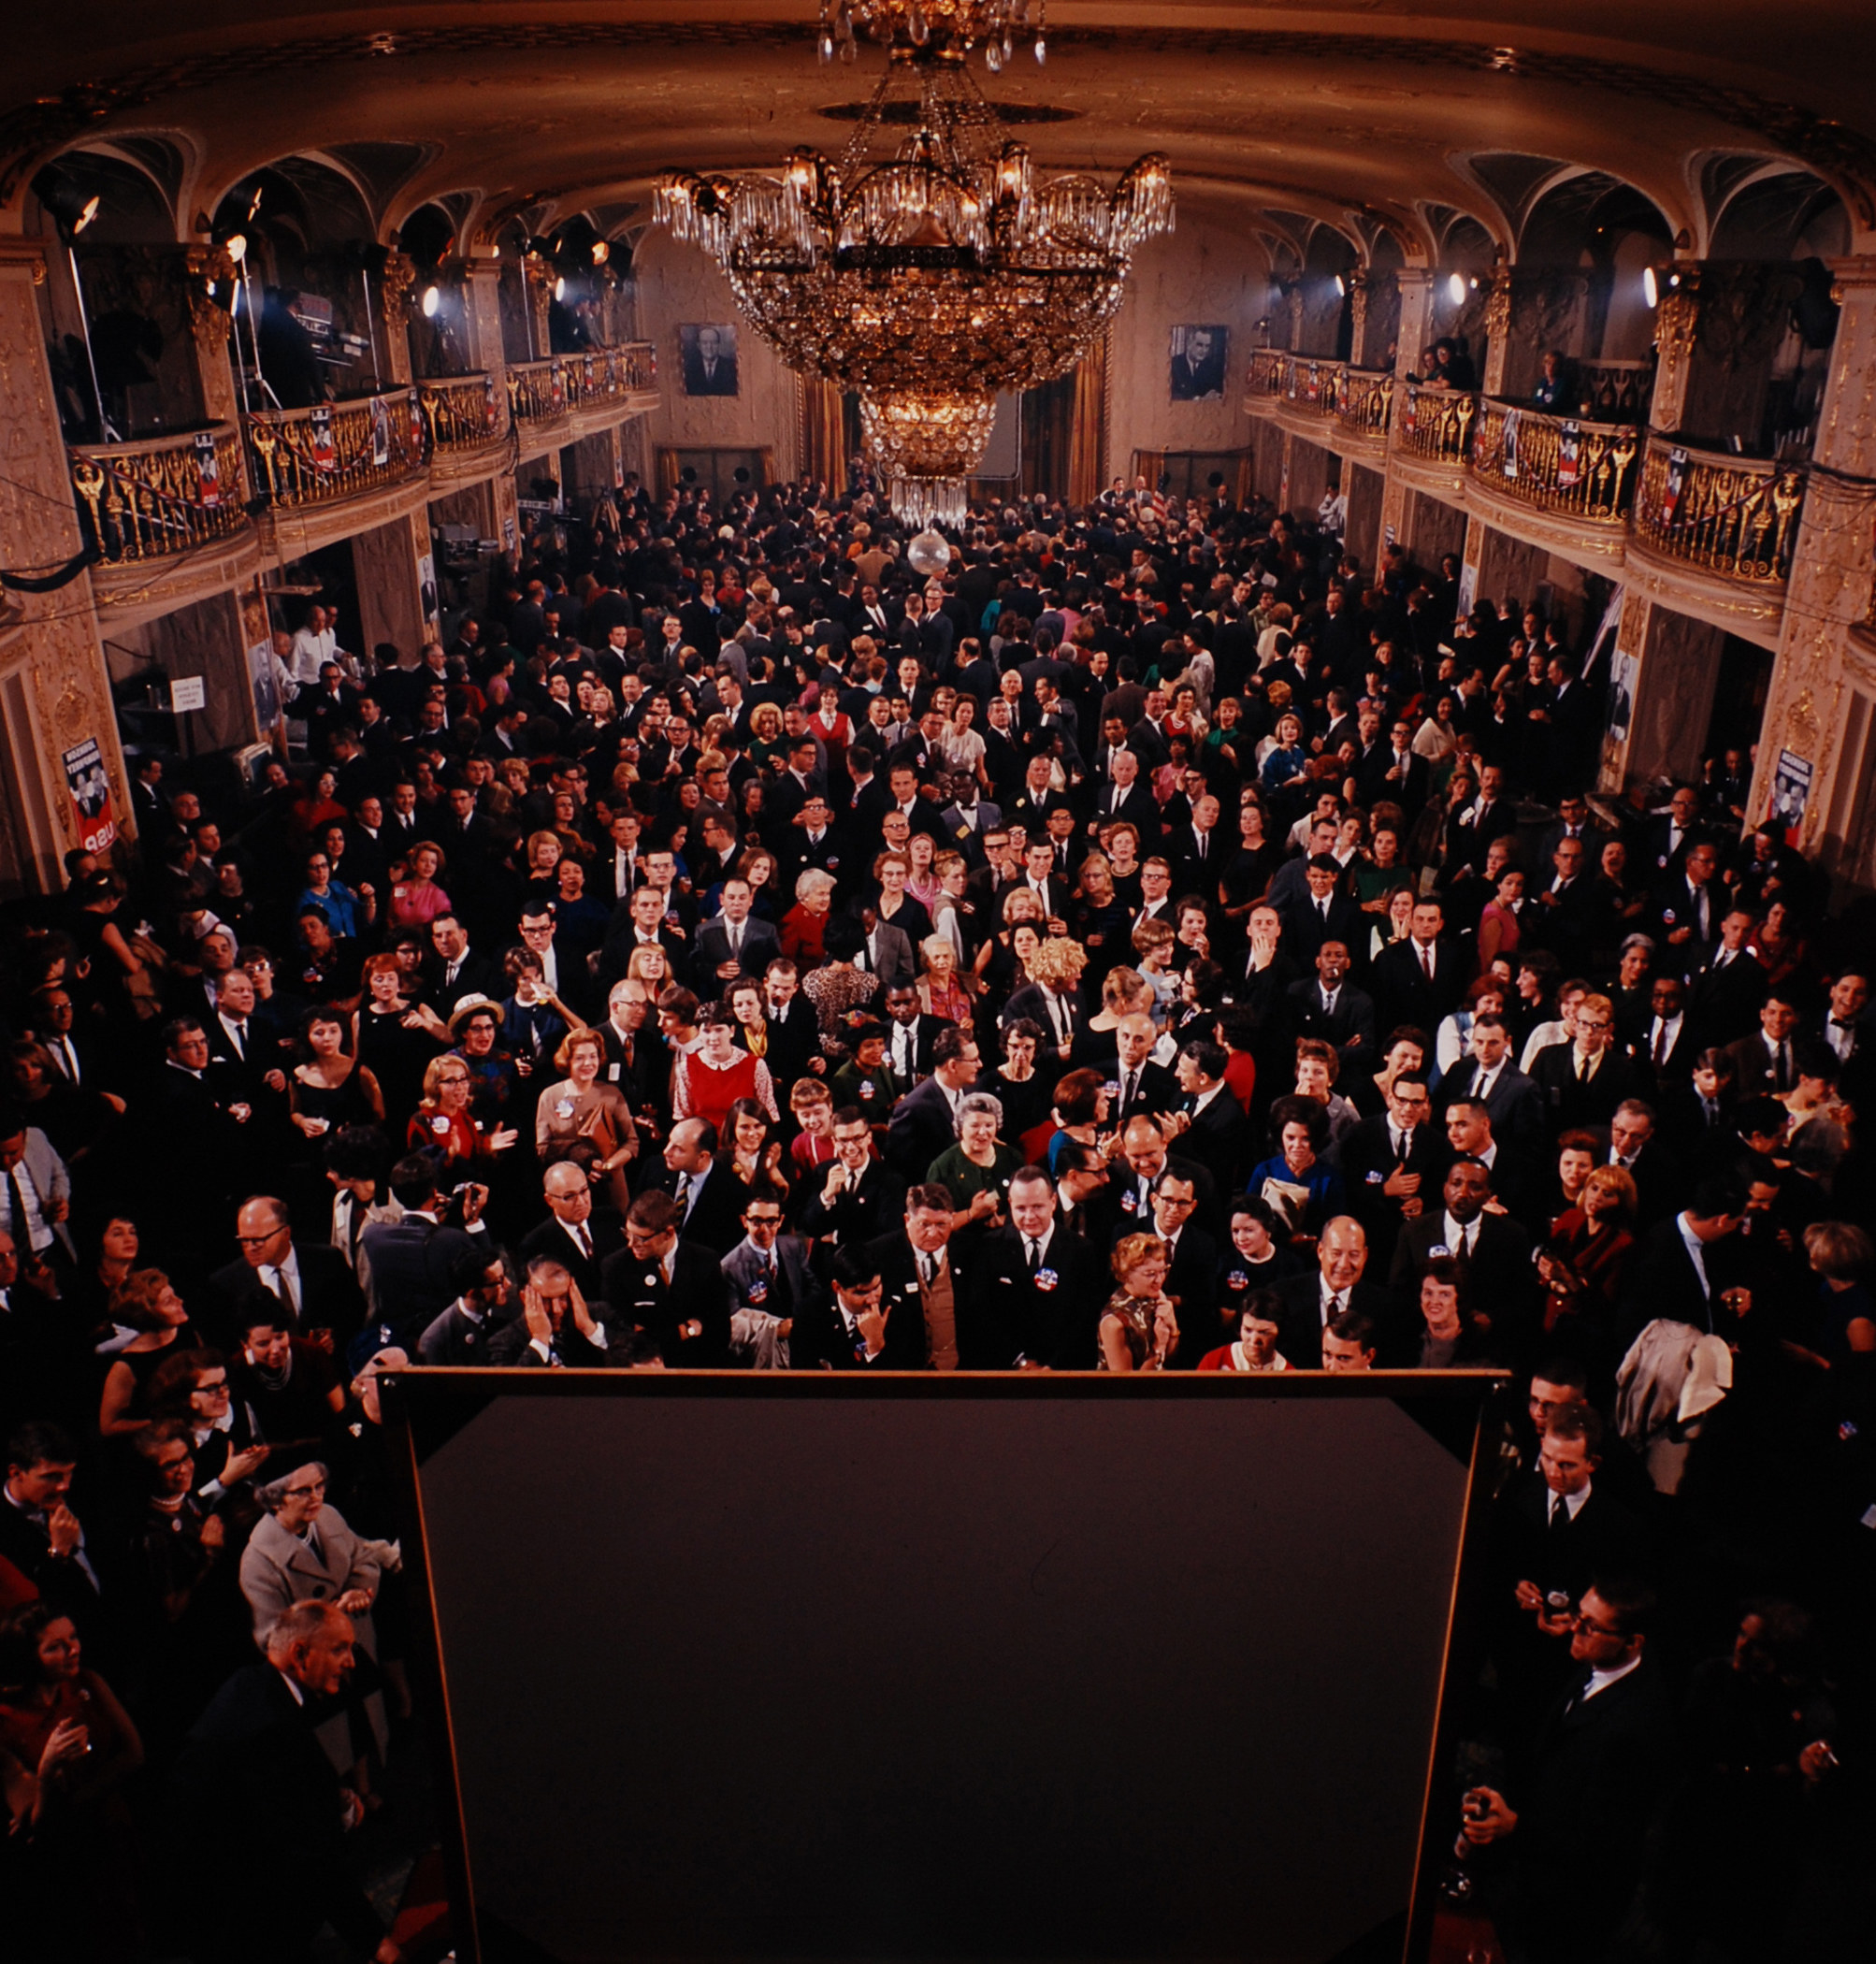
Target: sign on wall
[90,790]
[1790,793]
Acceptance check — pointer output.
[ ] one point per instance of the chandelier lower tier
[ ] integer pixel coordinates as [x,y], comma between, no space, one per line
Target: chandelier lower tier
[931,272]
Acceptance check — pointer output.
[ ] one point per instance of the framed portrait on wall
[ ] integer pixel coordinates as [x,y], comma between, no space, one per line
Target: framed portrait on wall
[1198,365]
[708,357]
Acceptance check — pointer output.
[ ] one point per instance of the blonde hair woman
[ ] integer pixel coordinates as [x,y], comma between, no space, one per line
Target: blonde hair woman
[1139,1328]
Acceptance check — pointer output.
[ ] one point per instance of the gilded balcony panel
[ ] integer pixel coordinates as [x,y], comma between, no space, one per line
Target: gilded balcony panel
[536,390]
[1556,465]
[1267,379]
[1364,403]
[337,450]
[1735,518]
[460,412]
[1437,424]
[161,498]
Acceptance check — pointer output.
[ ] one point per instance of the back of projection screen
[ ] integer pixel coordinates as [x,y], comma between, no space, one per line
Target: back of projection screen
[764,1666]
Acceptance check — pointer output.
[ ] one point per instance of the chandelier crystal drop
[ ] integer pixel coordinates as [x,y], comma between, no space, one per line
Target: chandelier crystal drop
[932,267]
[999,27]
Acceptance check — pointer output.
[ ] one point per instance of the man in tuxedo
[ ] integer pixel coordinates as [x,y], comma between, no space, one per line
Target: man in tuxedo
[1312,1302]
[311,1281]
[1419,980]
[453,970]
[1573,1822]
[859,1196]
[910,1032]
[574,1234]
[413,1260]
[925,1121]
[1766,1062]
[671,1294]
[1494,1250]
[1667,841]
[1333,1009]
[771,1284]
[1217,1132]
[252,1765]
[1038,1286]
[1847,1032]
[1581,1082]
[705,1186]
[1489,1076]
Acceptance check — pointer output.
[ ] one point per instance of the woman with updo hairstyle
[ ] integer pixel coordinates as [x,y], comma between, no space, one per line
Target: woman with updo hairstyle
[579,1117]
[1139,1328]
[145,1302]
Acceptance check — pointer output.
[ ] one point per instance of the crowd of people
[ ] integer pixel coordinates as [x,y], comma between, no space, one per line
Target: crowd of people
[1141,938]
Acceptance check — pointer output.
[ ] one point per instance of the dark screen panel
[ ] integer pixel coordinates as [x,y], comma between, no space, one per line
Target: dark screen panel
[945,1675]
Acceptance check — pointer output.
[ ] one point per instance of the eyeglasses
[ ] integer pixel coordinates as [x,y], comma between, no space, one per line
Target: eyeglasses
[307,1486]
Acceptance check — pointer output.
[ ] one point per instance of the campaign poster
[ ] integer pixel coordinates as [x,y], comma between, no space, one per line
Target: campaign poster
[1671,489]
[90,789]
[380,430]
[208,470]
[265,685]
[1790,793]
[427,587]
[1507,461]
[1196,370]
[1570,454]
[319,429]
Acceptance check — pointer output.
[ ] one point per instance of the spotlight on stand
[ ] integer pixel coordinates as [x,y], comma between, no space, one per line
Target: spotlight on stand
[601,252]
[1341,287]
[432,300]
[1455,289]
[71,212]
[1650,286]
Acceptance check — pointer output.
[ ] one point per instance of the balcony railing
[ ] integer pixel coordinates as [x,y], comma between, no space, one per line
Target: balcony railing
[1733,516]
[602,374]
[162,496]
[1267,370]
[1437,423]
[335,450]
[1365,401]
[460,411]
[1311,384]
[536,390]
[1556,464]
[1614,391]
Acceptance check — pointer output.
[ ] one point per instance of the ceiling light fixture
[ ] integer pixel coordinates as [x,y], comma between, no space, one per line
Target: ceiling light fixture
[996,27]
[932,271]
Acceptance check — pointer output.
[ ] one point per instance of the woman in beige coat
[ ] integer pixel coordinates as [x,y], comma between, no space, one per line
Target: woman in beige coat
[303,1552]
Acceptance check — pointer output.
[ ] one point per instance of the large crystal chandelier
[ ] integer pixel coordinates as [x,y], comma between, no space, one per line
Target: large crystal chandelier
[930,271]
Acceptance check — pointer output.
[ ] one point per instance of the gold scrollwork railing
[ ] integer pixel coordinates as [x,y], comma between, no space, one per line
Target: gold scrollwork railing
[1268,369]
[536,390]
[1437,423]
[336,450]
[1733,516]
[599,374]
[1558,464]
[460,411]
[161,497]
[1613,391]
[1365,401]
[1312,383]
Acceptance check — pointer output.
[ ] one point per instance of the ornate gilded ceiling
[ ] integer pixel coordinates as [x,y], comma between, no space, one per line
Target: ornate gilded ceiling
[1366,117]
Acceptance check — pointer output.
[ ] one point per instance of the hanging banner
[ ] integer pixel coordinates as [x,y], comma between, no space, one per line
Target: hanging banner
[208,470]
[427,587]
[490,415]
[90,789]
[1790,793]
[265,681]
[319,427]
[380,430]
[1507,461]
[1671,489]
[1570,454]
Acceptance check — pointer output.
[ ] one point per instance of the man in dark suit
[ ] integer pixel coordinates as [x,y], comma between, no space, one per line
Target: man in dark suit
[413,1261]
[1037,1285]
[1057,1012]
[910,1032]
[1573,1822]
[41,1539]
[852,1329]
[1490,1076]
[1561,911]
[1321,913]
[1766,1062]
[310,1279]
[1198,369]
[925,1120]
[1333,1009]
[932,1304]
[1635,1146]
[1492,1249]
[573,1234]
[1666,1044]
[1689,1268]
[1140,1085]
[1390,1163]
[453,970]
[1419,980]
[252,1765]
[735,943]
[709,1194]
[1218,1134]
[1581,1083]
[1686,909]
[1337,1285]
[709,363]
[859,1197]
[1727,984]
[1667,841]
[1192,1266]
[672,1294]
[559,1329]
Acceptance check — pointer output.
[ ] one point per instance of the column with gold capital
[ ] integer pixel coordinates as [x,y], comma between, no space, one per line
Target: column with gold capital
[1816,735]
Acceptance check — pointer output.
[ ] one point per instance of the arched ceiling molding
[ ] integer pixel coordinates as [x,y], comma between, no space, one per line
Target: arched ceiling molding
[1718,179]
[1442,221]
[282,165]
[1512,195]
[174,178]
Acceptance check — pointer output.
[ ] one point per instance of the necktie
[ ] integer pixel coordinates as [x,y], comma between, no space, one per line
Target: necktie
[1660,1041]
[685,1190]
[71,1057]
[283,1289]
[1200,838]
[21,1207]
[928,1270]
[1582,1067]
[1560,1515]
[1426,962]
[1132,1091]
[735,940]
[1034,1255]
[584,1239]
[237,1029]
[1781,1074]
[1482,1089]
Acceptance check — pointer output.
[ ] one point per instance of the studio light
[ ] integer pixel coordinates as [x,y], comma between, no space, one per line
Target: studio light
[1455,289]
[1341,287]
[1651,288]
[432,300]
[561,287]
[601,252]
[236,246]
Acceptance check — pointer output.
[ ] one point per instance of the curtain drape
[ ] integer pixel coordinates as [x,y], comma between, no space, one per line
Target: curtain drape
[823,454]
[1087,432]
